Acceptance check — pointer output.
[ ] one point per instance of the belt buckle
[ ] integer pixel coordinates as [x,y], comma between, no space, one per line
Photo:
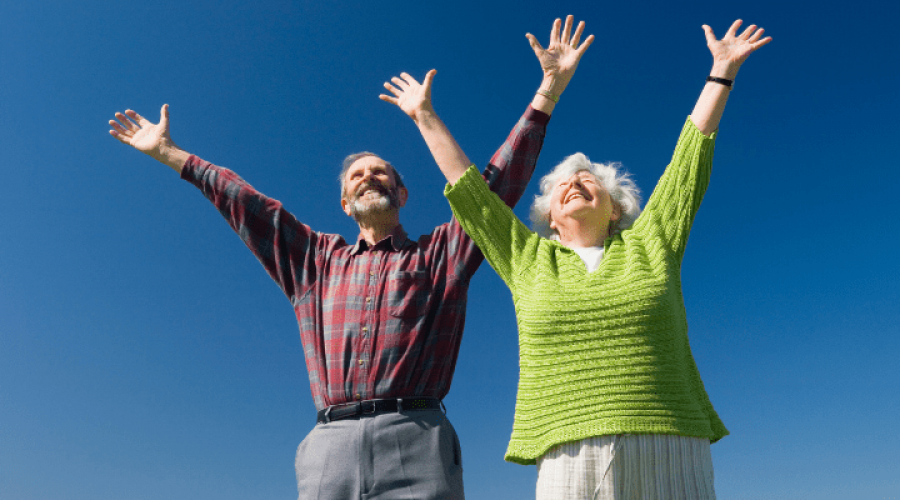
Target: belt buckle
[367,407]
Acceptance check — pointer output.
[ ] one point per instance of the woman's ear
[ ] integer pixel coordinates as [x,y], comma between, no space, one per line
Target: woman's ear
[616,212]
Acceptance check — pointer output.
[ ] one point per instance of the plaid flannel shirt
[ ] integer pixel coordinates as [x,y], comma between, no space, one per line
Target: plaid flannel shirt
[376,322]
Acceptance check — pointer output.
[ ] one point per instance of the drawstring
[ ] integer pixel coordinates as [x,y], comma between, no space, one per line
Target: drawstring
[612,457]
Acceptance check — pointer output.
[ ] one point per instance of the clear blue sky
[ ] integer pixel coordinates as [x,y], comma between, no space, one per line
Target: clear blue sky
[145,354]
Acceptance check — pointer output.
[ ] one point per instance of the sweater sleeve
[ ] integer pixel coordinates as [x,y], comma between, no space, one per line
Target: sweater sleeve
[505,241]
[507,174]
[677,196]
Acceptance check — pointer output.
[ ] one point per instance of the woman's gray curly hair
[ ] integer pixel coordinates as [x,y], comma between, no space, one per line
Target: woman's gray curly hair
[621,188]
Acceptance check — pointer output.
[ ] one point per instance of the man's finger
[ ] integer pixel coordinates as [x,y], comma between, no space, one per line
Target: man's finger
[387,98]
[130,125]
[164,116]
[577,37]
[394,90]
[429,77]
[567,30]
[535,44]
[143,122]
[400,83]
[584,46]
[120,137]
[554,32]
[409,79]
[118,128]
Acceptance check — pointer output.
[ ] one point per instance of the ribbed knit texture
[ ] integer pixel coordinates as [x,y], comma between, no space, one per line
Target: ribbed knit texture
[604,352]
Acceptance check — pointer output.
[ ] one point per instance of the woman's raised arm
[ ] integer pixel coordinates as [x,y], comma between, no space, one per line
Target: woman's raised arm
[729,54]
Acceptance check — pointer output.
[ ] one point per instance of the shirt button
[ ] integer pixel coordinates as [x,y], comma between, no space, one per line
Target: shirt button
[372,273]
[361,362]
[368,299]
[358,397]
[365,329]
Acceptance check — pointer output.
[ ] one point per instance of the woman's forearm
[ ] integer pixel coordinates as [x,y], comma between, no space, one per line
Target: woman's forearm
[710,105]
[447,153]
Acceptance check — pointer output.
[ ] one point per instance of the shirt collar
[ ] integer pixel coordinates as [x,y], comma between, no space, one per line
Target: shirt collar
[397,239]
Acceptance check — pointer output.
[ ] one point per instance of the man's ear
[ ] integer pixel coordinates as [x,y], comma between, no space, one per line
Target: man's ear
[345,206]
[403,195]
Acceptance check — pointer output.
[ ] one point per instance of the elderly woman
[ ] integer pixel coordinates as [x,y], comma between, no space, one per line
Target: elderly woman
[610,401]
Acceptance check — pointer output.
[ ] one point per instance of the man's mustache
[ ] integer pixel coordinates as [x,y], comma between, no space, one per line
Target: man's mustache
[377,186]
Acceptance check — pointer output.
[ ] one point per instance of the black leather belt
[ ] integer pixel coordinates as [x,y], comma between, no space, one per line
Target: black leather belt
[375,406]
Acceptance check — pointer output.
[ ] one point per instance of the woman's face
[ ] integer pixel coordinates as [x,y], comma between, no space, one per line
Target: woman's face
[581,197]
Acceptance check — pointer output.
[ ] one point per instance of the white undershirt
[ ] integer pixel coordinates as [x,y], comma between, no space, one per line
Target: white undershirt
[591,257]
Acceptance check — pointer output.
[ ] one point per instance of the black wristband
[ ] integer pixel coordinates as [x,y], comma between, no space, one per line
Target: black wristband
[721,81]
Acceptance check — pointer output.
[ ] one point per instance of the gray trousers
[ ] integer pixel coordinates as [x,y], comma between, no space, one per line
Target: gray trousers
[409,455]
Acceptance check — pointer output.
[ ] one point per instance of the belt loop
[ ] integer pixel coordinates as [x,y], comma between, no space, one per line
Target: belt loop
[400,405]
[328,415]
[444,408]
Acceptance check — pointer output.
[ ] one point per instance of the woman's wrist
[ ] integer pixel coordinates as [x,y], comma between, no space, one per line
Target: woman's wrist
[725,70]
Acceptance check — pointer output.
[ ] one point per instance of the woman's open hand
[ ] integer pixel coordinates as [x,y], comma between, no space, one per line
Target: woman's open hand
[412,97]
[733,49]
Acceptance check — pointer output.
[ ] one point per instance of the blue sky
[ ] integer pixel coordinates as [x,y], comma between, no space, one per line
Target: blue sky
[145,354]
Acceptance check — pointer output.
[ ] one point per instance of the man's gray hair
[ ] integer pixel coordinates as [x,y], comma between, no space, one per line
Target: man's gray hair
[621,188]
[351,159]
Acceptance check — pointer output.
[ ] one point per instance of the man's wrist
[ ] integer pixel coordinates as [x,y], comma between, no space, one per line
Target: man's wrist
[172,155]
[553,84]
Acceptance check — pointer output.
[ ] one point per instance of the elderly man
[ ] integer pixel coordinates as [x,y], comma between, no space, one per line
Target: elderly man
[380,320]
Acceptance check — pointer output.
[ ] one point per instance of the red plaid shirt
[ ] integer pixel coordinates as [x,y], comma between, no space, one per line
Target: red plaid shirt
[376,322]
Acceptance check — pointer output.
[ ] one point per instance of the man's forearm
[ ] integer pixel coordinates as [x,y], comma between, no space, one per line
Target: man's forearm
[543,103]
[171,155]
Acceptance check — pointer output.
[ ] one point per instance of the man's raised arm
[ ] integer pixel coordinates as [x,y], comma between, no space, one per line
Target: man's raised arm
[284,246]
[150,138]
[558,62]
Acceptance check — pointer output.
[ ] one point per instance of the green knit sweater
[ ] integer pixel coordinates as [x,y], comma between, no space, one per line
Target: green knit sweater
[605,352]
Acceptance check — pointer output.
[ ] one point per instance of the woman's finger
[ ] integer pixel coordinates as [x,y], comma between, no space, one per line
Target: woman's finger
[756,35]
[710,36]
[746,34]
[732,31]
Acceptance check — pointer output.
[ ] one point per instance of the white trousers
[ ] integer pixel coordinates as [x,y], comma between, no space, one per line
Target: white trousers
[628,467]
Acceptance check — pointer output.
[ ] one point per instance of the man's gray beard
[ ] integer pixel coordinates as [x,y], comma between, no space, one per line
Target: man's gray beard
[363,210]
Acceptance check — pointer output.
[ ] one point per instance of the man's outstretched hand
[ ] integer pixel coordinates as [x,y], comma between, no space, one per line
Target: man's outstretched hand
[561,57]
[150,138]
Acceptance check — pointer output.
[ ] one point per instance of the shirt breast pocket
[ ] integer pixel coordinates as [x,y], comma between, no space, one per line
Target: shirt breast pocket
[407,293]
